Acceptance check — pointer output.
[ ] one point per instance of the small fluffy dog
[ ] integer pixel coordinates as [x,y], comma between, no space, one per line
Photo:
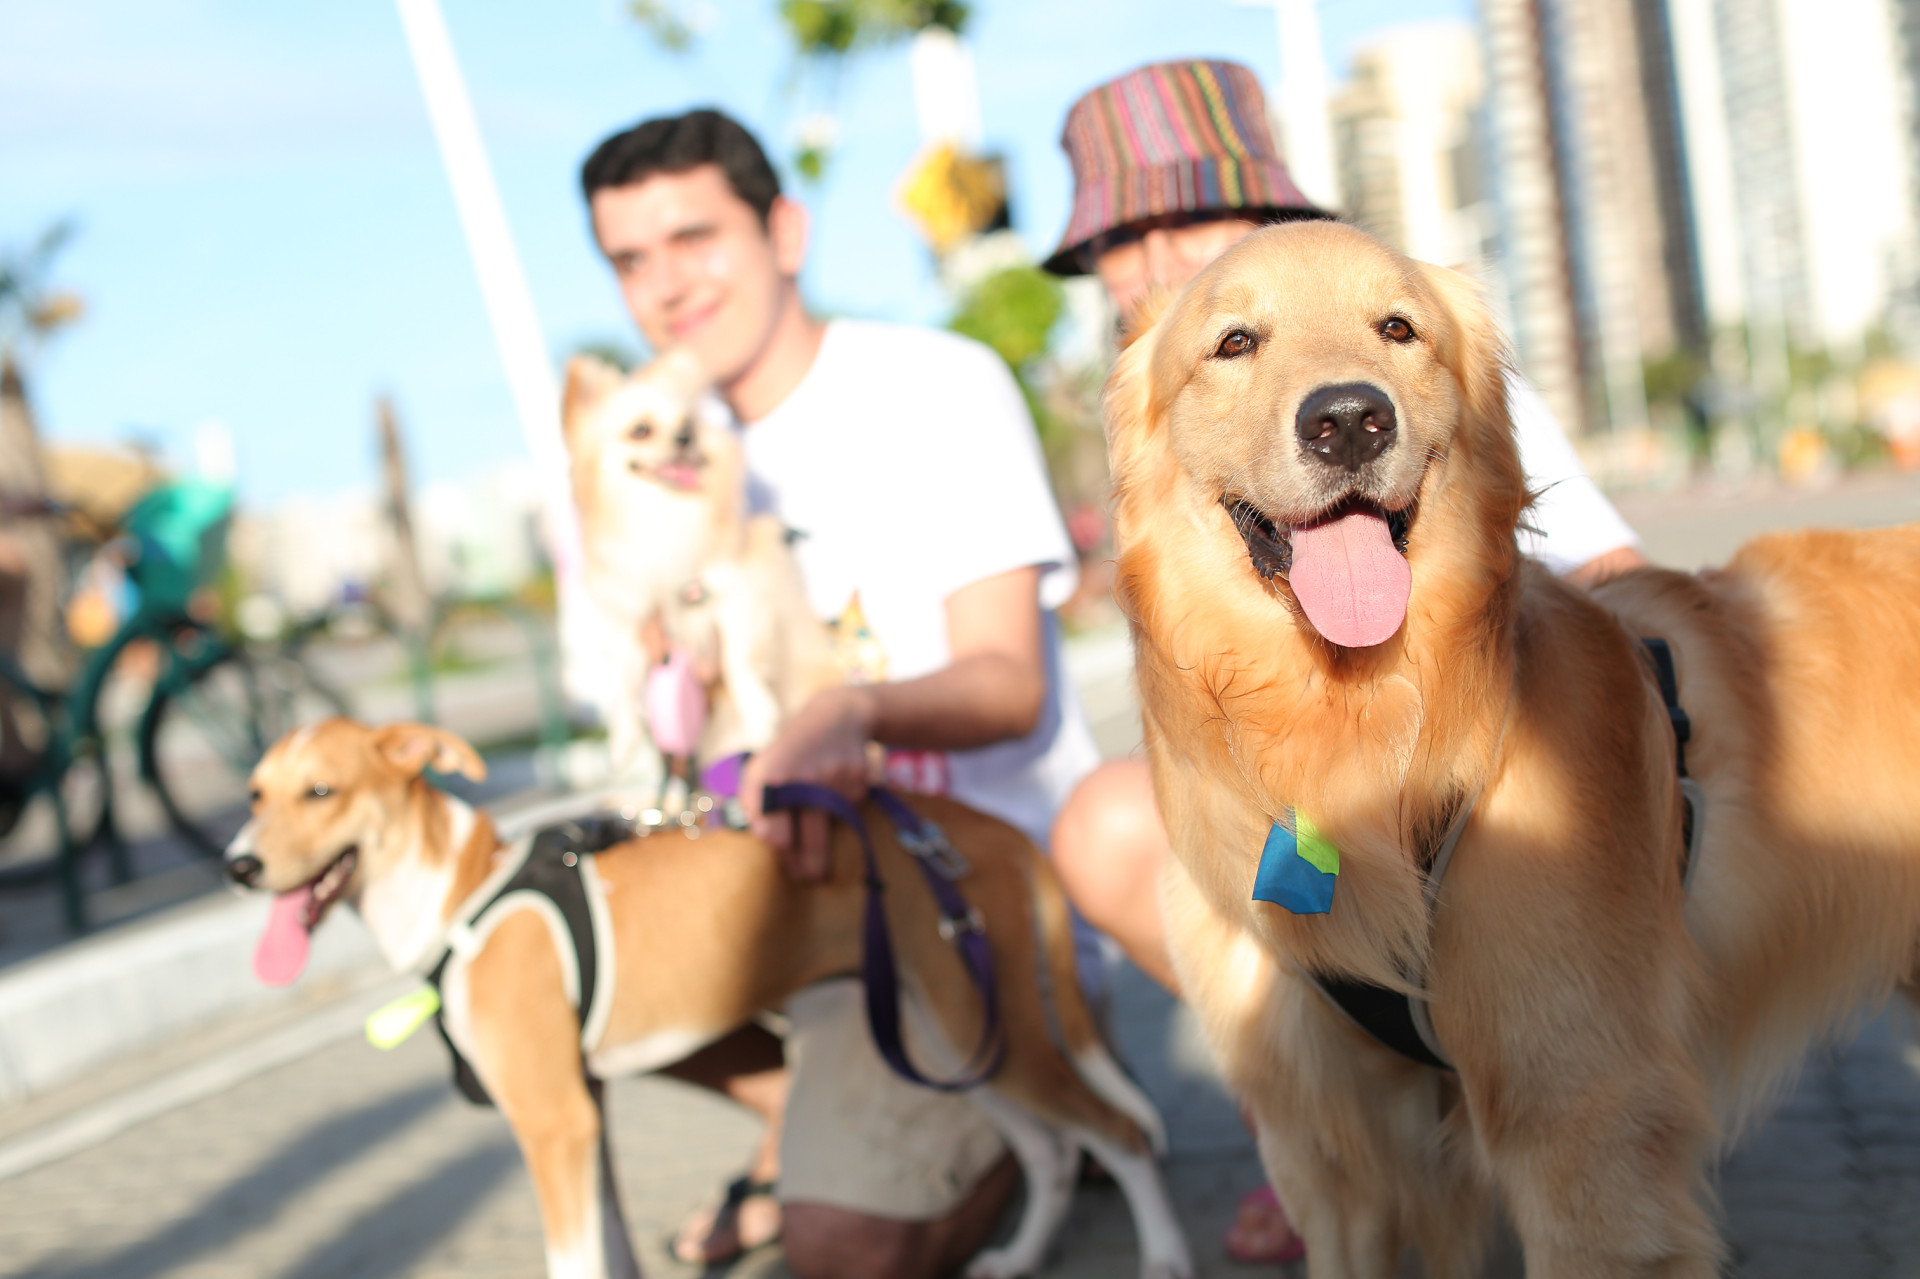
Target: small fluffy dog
[676,559]
[695,935]
[1318,488]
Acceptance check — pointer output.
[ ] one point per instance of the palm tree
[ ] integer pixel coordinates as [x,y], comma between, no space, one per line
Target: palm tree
[32,575]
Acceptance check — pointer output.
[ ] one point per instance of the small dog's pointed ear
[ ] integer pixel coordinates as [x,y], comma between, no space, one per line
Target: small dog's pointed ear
[589,379]
[414,748]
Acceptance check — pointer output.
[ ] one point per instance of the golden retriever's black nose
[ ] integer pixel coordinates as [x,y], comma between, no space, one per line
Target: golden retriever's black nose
[1347,425]
[245,870]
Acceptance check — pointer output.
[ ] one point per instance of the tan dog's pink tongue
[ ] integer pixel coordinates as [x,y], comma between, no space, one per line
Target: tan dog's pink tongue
[282,951]
[1350,580]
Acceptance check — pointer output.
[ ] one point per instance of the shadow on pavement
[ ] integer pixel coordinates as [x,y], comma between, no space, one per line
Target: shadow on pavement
[386,1241]
[252,1199]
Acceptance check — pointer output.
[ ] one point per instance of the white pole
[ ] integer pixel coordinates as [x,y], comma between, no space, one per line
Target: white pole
[503,285]
[1306,134]
[588,642]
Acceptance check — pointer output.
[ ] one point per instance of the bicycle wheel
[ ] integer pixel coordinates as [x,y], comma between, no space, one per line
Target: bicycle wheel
[200,740]
[33,773]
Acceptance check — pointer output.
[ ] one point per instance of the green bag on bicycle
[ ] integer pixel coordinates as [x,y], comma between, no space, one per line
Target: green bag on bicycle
[181,531]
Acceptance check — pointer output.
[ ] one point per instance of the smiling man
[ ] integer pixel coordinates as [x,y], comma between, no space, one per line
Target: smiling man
[905,463]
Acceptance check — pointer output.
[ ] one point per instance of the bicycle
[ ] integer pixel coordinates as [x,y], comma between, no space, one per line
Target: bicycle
[212,708]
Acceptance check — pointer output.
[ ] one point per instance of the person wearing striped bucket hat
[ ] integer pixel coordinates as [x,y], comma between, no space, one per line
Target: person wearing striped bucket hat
[1172,165]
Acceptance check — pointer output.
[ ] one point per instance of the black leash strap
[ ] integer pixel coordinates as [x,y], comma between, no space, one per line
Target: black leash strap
[1662,654]
[960,924]
[1694,799]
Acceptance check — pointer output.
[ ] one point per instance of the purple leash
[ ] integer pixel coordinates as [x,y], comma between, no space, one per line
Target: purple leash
[960,924]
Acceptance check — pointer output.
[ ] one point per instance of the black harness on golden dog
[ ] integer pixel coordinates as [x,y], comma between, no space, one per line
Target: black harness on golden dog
[1401,1022]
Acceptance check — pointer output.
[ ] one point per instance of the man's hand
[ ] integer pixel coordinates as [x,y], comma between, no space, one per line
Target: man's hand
[994,688]
[1622,559]
[825,743]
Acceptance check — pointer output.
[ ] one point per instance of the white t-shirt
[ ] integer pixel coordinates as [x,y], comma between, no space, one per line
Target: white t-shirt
[908,467]
[1571,521]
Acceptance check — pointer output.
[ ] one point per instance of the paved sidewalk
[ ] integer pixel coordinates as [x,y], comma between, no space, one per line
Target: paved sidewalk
[356,1163]
[352,1163]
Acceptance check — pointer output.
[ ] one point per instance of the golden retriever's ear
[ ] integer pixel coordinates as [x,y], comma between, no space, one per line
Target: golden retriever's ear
[1478,356]
[1153,304]
[1126,406]
[414,748]
[589,379]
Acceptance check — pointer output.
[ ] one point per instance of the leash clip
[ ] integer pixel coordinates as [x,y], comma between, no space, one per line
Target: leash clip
[931,845]
[953,927]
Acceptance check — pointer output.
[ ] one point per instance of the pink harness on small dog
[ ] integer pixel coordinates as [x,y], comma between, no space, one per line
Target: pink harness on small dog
[676,705]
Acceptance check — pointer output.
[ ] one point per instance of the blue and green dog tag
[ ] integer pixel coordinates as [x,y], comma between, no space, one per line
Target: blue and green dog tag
[1298,868]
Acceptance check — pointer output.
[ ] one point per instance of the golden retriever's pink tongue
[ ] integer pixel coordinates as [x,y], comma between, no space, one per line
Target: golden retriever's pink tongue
[282,951]
[1349,579]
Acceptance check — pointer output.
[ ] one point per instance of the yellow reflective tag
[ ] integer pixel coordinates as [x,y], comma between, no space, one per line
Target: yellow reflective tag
[389,1025]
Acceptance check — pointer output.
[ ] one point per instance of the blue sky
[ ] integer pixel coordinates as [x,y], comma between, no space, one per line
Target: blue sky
[267,238]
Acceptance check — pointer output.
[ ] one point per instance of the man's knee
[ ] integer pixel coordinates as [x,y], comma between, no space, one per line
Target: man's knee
[1108,843]
[824,1242]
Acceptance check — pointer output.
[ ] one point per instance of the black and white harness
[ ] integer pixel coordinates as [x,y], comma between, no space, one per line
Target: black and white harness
[1403,1022]
[552,873]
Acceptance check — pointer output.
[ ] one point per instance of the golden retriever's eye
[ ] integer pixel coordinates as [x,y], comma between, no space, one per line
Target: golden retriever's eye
[253,796]
[1395,329]
[1235,344]
[640,431]
[319,790]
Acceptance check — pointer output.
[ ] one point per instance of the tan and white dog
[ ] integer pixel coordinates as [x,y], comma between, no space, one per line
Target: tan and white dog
[704,933]
[679,563]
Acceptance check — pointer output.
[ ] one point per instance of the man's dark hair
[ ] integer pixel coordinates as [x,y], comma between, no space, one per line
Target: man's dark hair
[675,144]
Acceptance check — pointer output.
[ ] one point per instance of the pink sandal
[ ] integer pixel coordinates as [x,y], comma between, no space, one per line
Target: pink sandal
[1257,1245]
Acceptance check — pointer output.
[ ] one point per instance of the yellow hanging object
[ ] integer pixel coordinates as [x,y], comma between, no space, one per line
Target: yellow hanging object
[390,1024]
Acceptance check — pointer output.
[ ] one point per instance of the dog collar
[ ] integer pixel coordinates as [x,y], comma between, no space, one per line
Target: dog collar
[1299,867]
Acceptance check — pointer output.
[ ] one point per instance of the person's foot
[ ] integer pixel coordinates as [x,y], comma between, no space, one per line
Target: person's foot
[747,1217]
[1260,1233]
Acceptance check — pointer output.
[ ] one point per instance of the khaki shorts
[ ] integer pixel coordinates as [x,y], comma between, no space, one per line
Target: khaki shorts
[860,1137]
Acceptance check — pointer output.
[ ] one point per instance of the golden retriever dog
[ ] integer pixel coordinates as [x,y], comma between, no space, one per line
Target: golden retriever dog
[677,559]
[1317,491]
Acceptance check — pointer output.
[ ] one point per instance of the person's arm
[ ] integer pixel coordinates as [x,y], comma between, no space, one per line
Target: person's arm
[1575,530]
[993,689]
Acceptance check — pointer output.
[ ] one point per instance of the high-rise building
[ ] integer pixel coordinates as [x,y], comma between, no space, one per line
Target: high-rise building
[1410,140]
[1596,224]
[1696,176]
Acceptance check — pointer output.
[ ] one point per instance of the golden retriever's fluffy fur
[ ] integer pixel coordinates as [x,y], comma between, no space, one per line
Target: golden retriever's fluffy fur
[1606,1025]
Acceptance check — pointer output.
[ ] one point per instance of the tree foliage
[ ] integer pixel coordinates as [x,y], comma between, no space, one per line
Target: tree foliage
[1013,311]
[30,307]
[828,28]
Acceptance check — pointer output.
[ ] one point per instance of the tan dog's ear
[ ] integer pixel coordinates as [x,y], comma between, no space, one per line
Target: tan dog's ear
[589,380]
[1146,313]
[414,748]
[1476,354]
[1126,406]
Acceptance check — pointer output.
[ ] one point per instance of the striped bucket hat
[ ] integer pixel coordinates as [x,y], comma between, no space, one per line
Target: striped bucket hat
[1173,138]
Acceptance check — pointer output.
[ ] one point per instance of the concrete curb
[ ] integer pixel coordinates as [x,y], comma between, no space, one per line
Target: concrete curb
[94,1124]
[100,997]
